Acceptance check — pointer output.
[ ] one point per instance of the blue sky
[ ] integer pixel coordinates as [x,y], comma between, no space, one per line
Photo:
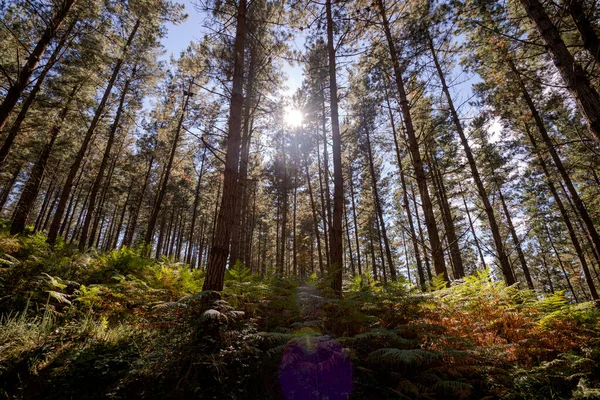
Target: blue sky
[179,36]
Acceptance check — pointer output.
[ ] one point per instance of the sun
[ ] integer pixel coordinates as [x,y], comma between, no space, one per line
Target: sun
[293,117]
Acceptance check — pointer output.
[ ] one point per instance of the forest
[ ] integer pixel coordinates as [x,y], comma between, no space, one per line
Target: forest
[314,199]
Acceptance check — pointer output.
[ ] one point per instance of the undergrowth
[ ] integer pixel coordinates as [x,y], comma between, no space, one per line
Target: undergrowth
[119,325]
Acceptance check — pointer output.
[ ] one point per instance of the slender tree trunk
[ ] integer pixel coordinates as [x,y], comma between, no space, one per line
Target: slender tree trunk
[68,186]
[284,212]
[119,226]
[515,238]
[215,272]
[323,211]
[105,158]
[472,227]
[16,126]
[577,82]
[413,145]
[451,236]
[165,180]
[562,267]
[9,185]
[335,233]
[579,205]
[314,214]
[349,241]
[16,89]
[492,221]
[32,186]
[128,240]
[44,206]
[421,235]
[355,224]
[378,207]
[411,224]
[195,208]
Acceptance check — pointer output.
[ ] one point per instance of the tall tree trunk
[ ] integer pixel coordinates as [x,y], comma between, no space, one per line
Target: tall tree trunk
[378,207]
[32,186]
[355,224]
[284,212]
[16,126]
[335,232]
[68,185]
[130,233]
[472,227]
[421,235]
[577,82]
[324,214]
[15,90]
[7,188]
[105,158]
[411,225]
[314,214]
[188,258]
[489,210]
[413,145]
[515,238]
[217,258]
[579,205]
[349,241]
[165,180]
[451,236]
[590,39]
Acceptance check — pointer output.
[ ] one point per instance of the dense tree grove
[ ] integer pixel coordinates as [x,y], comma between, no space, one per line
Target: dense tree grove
[390,169]
[429,141]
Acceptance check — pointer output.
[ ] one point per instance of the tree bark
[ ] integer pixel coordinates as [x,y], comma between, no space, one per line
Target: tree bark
[502,256]
[413,145]
[165,180]
[68,185]
[105,158]
[219,252]
[32,186]
[378,207]
[577,82]
[16,89]
[16,126]
[335,233]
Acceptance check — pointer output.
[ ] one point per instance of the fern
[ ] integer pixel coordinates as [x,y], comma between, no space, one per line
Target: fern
[413,357]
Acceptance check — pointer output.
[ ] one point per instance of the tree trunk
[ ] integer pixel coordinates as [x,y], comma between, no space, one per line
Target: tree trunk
[472,227]
[105,158]
[130,233]
[217,258]
[68,185]
[355,224]
[188,258]
[378,207]
[515,238]
[577,82]
[165,180]
[580,207]
[335,232]
[32,186]
[16,126]
[15,90]
[455,252]
[502,257]
[413,145]
[314,214]
[590,39]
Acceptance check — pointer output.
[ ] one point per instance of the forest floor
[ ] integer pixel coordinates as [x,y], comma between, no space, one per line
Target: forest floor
[119,325]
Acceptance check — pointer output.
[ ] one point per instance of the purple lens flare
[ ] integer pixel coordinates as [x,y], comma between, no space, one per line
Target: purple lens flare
[314,368]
